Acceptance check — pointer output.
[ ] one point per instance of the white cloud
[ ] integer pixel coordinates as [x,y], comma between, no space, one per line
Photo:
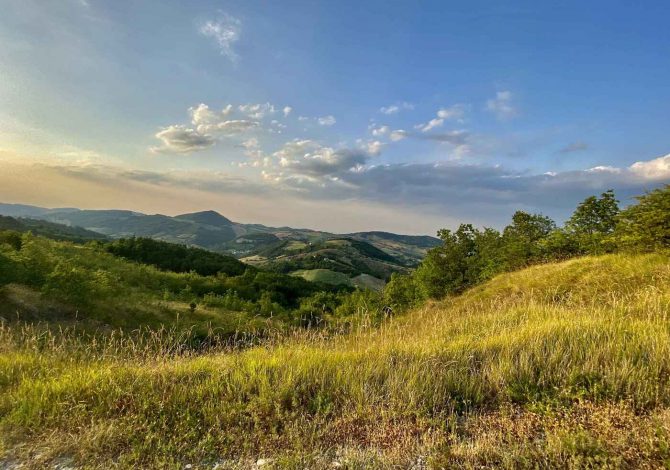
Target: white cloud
[180,139]
[395,108]
[310,159]
[257,111]
[380,131]
[326,120]
[656,169]
[502,105]
[228,128]
[287,110]
[202,117]
[456,111]
[374,147]
[397,135]
[225,31]
[432,124]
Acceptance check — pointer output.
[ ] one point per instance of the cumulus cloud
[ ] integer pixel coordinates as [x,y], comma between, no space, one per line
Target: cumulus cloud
[502,105]
[657,169]
[395,108]
[326,120]
[210,125]
[287,110]
[225,31]
[202,116]
[574,147]
[181,139]
[309,158]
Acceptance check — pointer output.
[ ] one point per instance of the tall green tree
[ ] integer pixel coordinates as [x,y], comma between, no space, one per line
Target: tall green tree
[522,239]
[446,267]
[646,225]
[593,222]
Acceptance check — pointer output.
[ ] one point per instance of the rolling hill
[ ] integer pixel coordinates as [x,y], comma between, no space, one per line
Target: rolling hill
[376,254]
[549,367]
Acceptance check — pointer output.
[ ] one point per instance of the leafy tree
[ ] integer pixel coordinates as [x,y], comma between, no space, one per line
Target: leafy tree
[316,308]
[593,221]
[646,225]
[402,293]
[559,244]
[489,259]
[445,269]
[11,238]
[522,240]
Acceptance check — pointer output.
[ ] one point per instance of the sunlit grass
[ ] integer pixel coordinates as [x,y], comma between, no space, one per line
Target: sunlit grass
[554,364]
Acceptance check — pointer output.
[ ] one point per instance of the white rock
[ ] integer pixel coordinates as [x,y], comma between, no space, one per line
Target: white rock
[262,462]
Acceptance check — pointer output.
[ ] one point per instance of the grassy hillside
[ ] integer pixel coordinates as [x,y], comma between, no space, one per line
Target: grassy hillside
[61,283]
[552,366]
[346,258]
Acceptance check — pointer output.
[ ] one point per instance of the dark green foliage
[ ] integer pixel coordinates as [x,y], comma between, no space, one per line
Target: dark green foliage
[370,251]
[402,292]
[521,239]
[469,256]
[177,258]
[315,309]
[592,222]
[646,225]
[11,238]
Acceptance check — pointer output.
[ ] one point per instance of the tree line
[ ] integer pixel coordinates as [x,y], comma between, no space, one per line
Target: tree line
[469,255]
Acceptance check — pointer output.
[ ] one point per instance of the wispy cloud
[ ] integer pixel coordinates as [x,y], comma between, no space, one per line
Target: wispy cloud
[395,108]
[326,120]
[225,31]
[502,105]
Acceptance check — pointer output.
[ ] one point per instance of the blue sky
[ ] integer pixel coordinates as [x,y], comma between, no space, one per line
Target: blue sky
[404,116]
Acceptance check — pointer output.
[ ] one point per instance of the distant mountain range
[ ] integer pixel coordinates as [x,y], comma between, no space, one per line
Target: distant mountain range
[362,258]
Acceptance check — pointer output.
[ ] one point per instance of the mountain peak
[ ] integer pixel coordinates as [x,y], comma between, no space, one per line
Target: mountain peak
[206,217]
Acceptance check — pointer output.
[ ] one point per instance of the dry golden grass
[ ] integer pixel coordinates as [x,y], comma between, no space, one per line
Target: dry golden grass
[564,365]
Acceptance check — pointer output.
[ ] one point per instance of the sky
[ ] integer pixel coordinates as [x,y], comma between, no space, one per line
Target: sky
[406,116]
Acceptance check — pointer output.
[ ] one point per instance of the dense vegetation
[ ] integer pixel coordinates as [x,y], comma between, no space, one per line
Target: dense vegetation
[177,258]
[89,284]
[469,256]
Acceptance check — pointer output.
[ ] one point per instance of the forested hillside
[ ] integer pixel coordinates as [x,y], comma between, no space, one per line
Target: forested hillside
[365,259]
